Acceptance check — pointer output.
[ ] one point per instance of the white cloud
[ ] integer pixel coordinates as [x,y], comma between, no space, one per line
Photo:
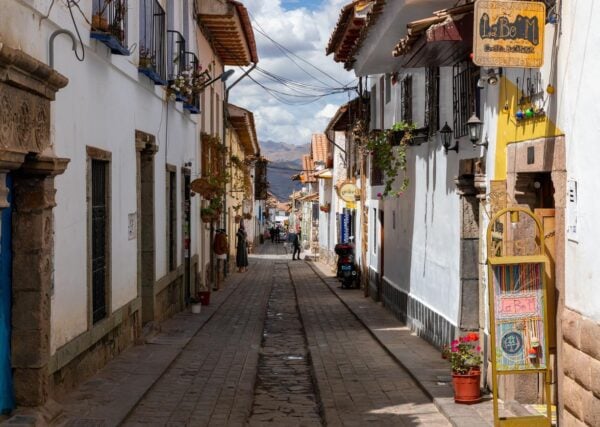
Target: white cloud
[305,32]
[327,112]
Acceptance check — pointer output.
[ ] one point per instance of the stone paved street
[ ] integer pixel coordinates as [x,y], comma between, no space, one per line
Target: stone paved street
[276,347]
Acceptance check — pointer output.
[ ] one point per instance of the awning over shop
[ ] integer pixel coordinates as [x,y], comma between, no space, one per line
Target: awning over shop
[439,40]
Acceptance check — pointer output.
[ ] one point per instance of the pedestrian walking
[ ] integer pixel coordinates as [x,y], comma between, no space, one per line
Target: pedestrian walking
[296,245]
[220,248]
[272,234]
[241,257]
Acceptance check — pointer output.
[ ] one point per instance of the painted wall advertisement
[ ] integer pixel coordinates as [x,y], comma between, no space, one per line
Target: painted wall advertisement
[509,33]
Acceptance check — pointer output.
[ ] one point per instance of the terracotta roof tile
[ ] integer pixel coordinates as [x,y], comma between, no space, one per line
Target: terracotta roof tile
[320,147]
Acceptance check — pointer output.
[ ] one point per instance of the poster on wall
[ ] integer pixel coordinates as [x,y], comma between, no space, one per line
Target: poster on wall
[519,316]
[509,33]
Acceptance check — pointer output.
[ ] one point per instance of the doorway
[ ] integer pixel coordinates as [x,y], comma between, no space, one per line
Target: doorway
[186,235]
[381,255]
[7,398]
[146,232]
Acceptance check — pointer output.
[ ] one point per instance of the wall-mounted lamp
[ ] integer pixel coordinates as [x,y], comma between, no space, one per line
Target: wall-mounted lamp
[493,76]
[446,135]
[475,126]
[223,77]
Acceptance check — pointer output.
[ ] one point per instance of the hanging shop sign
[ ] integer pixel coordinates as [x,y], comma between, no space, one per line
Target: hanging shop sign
[509,33]
[347,191]
[518,304]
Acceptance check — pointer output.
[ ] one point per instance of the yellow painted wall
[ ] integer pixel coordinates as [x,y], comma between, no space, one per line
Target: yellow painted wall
[510,130]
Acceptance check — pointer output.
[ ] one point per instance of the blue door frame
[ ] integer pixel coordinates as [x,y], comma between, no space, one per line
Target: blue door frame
[7,398]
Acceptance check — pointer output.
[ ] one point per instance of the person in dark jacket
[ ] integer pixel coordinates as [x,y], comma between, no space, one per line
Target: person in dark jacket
[241,257]
[296,245]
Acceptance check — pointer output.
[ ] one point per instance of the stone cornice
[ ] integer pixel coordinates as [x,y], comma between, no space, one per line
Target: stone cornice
[23,71]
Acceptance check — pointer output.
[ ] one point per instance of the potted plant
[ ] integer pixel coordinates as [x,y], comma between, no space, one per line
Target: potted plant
[196,305]
[146,58]
[401,133]
[247,216]
[207,214]
[390,160]
[464,354]
[325,208]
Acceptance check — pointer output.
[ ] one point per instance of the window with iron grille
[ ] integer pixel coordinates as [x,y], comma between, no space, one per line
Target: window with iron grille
[373,107]
[152,41]
[381,114]
[99,238]
[432,99]
[376,174]
[406,96]
[172,219]
[176,58]
[109,20]
[465,96]
[388,88]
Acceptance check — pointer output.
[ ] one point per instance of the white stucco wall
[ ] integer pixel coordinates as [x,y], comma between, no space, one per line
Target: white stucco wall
[579,117]
[422,226]
[105,101]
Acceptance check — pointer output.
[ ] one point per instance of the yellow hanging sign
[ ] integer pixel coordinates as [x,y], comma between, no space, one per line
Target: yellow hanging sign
[509,33]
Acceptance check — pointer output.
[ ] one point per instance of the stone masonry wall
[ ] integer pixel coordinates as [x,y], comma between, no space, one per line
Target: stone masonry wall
[581,371]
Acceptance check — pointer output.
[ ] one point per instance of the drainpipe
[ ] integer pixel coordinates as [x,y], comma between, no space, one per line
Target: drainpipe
[225,102]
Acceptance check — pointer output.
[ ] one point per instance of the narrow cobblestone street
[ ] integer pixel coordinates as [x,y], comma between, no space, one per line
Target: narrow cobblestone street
[279,349]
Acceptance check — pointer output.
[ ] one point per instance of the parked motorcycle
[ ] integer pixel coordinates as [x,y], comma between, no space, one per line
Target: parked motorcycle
[347,270]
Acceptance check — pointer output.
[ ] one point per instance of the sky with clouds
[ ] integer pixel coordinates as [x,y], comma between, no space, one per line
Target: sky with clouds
[303,27]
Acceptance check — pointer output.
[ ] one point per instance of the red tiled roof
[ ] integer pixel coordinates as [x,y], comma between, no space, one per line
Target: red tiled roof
[230,30]
[351,30]
[320,147]
[447,25]
[308,167]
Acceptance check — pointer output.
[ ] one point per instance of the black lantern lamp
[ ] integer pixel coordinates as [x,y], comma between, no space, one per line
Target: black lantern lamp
[446,134]
[475,126]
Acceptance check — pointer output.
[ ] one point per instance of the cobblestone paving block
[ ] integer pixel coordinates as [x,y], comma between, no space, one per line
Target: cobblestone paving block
[285,392]
[355,375]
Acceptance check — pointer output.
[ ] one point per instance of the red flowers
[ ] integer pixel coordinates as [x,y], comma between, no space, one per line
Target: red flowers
[464,353]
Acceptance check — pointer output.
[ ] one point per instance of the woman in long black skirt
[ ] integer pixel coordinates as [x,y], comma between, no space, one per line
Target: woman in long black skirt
[241,257]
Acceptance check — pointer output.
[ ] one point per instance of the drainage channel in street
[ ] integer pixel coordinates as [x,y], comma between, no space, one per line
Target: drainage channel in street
[284,390]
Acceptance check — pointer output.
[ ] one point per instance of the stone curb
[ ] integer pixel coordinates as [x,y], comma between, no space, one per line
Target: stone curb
[39,416]
[440,394]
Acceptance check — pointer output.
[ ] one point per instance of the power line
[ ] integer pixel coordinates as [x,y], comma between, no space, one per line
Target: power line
[285,50]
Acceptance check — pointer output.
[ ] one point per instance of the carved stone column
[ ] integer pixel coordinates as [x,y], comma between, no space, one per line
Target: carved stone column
[33,264]
[27,86]
[469,246]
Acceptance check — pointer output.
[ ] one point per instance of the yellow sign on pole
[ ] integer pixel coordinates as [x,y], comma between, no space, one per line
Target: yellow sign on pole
[509,33]
[347,191]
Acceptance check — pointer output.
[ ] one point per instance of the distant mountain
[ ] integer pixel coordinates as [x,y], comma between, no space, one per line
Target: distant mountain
[285,160]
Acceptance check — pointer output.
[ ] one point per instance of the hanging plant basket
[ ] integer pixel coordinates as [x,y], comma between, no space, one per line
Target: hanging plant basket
[247,216]
[204,187]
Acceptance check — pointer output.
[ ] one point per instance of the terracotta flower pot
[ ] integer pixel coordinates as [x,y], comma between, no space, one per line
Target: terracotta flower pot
[466,387]
[99,23]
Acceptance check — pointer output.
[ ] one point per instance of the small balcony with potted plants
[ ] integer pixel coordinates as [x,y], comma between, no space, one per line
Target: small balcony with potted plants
[109,25]
[152,52]
[184,73]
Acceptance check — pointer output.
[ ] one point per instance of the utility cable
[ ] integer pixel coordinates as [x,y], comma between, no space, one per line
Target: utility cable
[80,59]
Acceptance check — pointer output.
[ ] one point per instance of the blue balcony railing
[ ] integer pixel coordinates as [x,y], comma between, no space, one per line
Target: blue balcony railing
[109,24]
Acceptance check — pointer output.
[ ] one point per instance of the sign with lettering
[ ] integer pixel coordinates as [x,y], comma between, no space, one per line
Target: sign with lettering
[347,191]
[509,33]
[519,316]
